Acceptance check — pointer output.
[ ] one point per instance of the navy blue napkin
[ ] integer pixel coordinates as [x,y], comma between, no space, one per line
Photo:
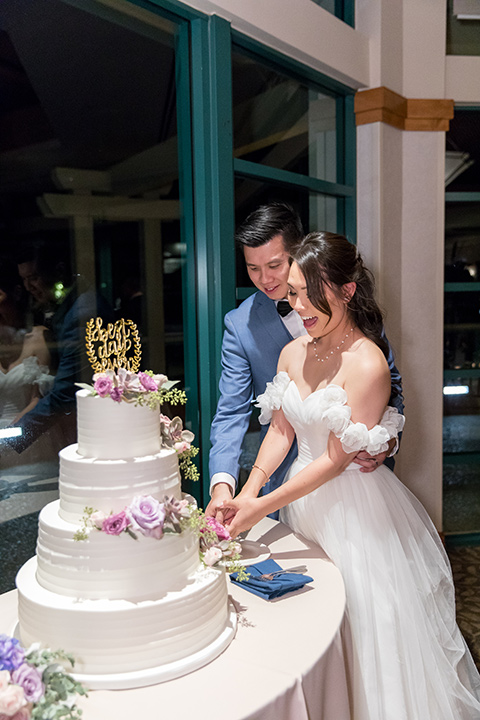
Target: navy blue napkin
[270,589]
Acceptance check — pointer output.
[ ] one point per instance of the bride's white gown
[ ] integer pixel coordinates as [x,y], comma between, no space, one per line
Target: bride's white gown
[410,661]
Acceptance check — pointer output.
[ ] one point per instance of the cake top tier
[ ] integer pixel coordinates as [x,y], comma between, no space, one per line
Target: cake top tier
[119,416]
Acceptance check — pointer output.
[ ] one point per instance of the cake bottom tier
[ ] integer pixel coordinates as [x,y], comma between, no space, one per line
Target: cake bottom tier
[122,644]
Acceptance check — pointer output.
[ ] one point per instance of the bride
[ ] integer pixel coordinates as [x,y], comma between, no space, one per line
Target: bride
[25,358]
[409,659]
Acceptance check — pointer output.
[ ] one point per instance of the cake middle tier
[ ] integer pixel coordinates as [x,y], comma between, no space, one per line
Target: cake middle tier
[111,566]
[111,485]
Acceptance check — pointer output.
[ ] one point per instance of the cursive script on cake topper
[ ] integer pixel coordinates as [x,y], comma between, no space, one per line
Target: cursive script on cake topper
[112,347]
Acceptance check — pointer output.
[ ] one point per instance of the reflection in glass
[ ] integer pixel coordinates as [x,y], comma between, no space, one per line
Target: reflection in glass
[317,211]
[282,123]
[89,207]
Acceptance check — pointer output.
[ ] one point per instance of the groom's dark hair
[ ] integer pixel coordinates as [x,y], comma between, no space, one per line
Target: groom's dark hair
[266,222]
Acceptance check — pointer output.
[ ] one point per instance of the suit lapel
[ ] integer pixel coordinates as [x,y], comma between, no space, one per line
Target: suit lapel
[267,316]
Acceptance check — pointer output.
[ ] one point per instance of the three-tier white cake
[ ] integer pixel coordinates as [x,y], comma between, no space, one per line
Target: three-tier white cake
[132,612]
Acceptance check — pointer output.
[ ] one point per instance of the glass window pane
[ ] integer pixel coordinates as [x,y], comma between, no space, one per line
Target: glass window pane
[462,34]
[281,122]
[89,205]
[318,212]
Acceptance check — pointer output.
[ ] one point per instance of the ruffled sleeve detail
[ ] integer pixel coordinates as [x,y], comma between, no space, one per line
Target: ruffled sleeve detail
[272,398]
[356,436]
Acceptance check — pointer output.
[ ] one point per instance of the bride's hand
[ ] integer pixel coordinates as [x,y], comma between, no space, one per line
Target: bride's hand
[241,514]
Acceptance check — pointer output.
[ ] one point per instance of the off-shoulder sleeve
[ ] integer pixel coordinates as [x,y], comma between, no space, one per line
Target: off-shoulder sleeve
[356,436]
[272,398]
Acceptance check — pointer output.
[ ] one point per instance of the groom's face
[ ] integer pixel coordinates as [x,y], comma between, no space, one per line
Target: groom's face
[268,267]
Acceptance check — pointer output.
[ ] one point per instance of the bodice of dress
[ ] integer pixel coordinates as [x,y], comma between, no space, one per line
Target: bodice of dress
[16,387]
[324,411]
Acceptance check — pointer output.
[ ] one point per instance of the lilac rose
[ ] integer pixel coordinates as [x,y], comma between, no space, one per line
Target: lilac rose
[147,515]
[115,524]
[11,653]
[30,679]
[103,385]
[148,382]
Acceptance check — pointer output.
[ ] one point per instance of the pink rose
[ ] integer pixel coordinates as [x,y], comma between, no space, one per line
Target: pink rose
[217,527]
[11,700]
[23,714]
[103,385]
[116,394]
[148,382]
[30,679]
[115,524]
[212,556]
[182,446]
[4,679]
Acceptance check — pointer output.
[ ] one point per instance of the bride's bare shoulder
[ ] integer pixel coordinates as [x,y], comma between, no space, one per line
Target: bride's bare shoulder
[367,359]
[292,352]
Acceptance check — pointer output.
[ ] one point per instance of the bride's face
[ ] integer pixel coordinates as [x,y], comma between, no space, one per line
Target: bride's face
[316,322]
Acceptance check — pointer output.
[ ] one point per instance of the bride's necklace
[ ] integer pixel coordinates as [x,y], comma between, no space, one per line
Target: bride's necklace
[319,359]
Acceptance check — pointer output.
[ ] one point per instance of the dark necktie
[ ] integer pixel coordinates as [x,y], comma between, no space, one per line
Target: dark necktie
[283,307]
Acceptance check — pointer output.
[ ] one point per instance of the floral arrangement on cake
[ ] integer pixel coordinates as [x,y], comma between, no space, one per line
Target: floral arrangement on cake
[33,685]
[149,517]
[146,388]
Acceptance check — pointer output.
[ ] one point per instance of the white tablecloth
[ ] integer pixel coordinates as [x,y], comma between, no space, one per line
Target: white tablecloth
[285,663]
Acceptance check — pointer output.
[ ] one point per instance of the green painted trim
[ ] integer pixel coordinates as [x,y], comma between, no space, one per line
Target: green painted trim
[242,293]
[350,164]
[214,209]
[462,539]
[190,339]
[462,197]
[170,9]
[462,287]
[285,177]
[461,458]
[463,373]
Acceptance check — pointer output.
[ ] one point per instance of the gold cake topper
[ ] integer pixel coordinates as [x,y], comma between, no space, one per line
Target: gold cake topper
[116,346]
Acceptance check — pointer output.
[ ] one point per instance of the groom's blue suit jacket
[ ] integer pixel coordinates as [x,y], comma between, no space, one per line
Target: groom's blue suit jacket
[253,339]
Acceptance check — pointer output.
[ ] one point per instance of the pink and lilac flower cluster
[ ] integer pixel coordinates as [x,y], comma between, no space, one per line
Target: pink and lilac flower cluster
[145,516]
[216,543]
[149,517]
[31,687]
[126,385]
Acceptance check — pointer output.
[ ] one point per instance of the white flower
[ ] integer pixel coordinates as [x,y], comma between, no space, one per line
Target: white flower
[378,438]
[212,556]
[97,518]
[272,398]
[355,437]
[392,421]
[337,418]
[334,395]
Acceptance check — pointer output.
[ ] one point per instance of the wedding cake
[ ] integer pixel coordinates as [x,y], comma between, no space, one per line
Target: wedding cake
[134,607]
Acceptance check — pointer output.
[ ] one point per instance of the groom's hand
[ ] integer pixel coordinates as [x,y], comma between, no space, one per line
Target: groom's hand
[221,493]
[368,463]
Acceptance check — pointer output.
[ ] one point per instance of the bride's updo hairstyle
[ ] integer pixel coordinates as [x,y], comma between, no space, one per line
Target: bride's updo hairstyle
[326,259]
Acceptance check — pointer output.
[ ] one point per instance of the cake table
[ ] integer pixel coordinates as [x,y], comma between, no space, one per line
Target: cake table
[287,661]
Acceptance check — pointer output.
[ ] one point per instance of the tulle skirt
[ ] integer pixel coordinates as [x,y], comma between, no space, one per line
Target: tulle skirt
[410,661]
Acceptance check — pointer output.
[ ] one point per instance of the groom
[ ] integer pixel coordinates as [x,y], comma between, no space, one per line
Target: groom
[255,334]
